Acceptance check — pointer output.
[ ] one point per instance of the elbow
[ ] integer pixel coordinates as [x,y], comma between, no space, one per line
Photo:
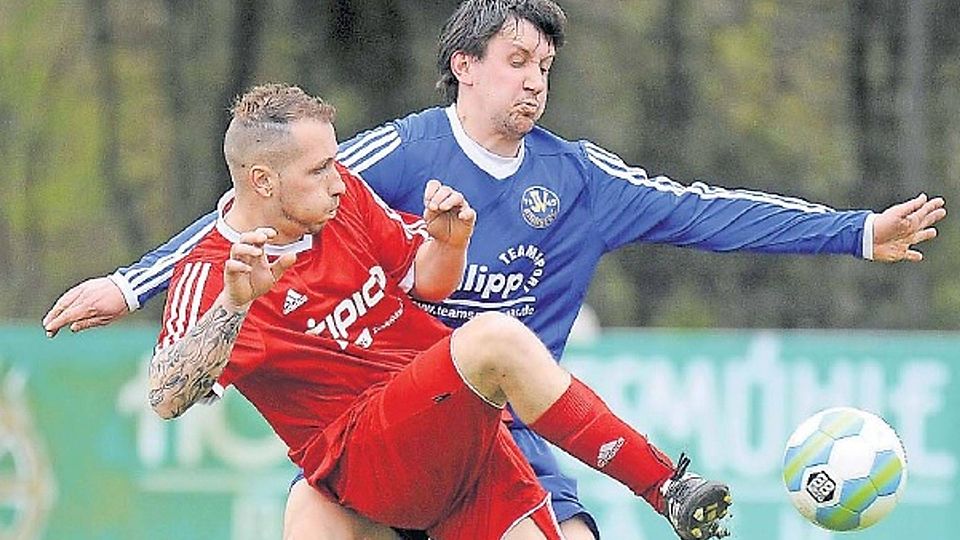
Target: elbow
[433,294]
[166,411]
[165,408]
[432,289]
[165,414]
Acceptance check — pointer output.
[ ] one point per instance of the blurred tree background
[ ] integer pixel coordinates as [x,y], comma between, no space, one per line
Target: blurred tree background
[112,114]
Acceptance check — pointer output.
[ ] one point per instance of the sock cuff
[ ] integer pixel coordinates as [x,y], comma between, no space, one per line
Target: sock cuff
[567,414]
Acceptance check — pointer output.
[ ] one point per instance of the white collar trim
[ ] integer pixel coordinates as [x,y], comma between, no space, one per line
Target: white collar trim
[496,166]
[233,235]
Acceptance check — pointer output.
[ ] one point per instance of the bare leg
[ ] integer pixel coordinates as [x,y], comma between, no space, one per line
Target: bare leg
[525,530]
[502,359]
[575,529]
[311,515]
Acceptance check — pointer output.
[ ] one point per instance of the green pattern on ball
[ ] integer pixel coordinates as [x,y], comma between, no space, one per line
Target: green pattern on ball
[840,424]
[817,445]
[887,473]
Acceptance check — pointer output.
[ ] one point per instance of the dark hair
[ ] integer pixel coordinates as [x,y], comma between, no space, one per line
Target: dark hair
[475,22]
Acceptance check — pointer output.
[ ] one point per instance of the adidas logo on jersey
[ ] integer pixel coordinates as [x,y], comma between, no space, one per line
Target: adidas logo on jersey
[293,301]
[608,451]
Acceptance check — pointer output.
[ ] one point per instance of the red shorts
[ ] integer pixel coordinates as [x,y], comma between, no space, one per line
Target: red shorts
[428,453]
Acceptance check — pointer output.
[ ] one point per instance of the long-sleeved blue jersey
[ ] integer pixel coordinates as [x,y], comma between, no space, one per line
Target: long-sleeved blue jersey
[546,217]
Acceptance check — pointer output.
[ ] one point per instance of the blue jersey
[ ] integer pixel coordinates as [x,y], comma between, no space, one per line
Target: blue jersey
[545,218]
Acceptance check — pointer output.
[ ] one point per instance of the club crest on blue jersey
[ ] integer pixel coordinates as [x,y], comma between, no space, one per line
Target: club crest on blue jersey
[539,206]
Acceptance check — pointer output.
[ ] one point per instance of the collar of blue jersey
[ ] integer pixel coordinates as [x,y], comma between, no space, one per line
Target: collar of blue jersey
[233,236]
[496,166]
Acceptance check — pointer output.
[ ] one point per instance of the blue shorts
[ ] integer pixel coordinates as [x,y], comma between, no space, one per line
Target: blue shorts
[563,489]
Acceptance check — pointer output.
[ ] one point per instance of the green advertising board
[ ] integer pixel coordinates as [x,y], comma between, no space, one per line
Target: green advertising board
[83,457]
[731,400]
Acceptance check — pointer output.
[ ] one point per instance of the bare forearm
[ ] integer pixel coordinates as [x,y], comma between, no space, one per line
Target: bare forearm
[438,270]
[186,371]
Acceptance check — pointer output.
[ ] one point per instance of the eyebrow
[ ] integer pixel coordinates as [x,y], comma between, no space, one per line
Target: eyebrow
[529,53]
[325,162]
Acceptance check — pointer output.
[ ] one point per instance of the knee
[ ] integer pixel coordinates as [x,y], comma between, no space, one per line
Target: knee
[495,337]
[496,328]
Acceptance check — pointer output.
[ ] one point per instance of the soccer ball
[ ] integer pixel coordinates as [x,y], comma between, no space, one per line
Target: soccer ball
[844,469]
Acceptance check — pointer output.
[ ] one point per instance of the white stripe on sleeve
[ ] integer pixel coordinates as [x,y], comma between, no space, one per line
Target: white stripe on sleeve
[163,265]
[201,281]
[372,160]
[368,144]
[185,305]
[615,167]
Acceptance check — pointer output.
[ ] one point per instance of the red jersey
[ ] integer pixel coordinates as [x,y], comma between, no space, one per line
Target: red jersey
[339,321]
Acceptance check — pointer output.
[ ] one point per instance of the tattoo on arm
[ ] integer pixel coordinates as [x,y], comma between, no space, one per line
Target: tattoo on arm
[186,371]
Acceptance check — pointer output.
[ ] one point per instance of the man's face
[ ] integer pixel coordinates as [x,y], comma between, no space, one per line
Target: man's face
[510,81]
[309,186]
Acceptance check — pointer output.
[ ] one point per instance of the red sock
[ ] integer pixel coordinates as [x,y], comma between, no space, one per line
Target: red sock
[580,423]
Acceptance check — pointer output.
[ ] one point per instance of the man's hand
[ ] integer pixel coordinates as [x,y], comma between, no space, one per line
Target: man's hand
[899,227]
[248,274]
[439,264]
[449,217]
[95,302]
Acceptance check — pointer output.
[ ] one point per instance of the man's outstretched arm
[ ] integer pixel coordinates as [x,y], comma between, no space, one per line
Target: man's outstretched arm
[101,301]
[629,206]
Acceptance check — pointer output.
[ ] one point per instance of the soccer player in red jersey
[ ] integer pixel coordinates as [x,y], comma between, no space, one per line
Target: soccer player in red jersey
[300,297]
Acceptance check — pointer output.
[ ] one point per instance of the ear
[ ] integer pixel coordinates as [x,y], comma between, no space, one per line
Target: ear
[262,180]
[461,64]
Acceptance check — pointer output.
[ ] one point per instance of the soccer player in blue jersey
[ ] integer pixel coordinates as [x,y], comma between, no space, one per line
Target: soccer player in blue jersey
[548,208]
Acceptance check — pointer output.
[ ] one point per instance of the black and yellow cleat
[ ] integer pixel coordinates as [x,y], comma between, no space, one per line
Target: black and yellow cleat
[695,507]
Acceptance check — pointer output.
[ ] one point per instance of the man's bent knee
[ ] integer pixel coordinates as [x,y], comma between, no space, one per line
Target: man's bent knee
[492,349]
[492,337]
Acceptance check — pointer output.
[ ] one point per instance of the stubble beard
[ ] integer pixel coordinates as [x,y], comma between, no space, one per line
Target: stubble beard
[516,125]
[309,227]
